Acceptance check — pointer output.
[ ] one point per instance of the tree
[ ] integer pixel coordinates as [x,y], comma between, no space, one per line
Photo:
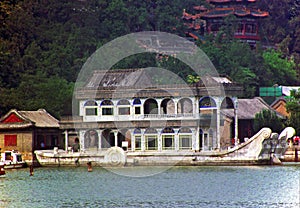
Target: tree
[51,93]
[267,118]
[280,67]
[293,107]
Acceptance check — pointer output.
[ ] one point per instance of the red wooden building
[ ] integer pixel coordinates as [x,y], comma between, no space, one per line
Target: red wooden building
[210,19]
[27,131]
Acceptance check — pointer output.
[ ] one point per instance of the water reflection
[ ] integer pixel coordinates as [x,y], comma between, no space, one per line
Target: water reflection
[259,187]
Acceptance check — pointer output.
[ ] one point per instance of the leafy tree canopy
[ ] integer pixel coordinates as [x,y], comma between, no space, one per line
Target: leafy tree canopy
[49,40]
[293,107]
[267,118]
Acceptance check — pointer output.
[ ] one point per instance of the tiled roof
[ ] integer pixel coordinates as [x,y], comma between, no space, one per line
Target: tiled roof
[247,108]
[118,78]
[40,118]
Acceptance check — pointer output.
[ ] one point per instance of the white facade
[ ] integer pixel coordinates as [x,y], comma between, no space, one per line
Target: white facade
[154,124]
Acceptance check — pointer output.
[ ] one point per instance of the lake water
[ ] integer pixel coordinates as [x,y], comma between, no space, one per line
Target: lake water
[254,186]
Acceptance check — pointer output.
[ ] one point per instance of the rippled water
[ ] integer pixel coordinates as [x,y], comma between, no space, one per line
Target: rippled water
[255,186]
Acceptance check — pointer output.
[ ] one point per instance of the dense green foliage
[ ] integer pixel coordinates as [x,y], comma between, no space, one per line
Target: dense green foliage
[44,43]
[293,107]
[267,118]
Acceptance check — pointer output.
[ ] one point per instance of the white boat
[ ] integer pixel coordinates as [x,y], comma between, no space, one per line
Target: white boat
[2,171]
[12,159]
[264,148]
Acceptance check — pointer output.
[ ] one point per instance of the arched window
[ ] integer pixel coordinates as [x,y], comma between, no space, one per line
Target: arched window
[185,105]
[168,142]
[137,101]
[91,138]
[207,102]
[168,106]
[123,107]
[124,139]
[137,131]
[107,108]
[91,108]
[106,102]
[227,103]
[150,106]
[168,130]
[107,138]
[137,106]
[150,131]
[185,130]
[207,108]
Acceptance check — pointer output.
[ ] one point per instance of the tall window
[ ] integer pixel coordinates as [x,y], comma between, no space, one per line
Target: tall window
[185,138]
[185,141]
[151,139]
[91,108]
[10,140]
[107,108]
[123,107]
[151,142]
[137,106]
[138,138]
[138,142]
[168,142]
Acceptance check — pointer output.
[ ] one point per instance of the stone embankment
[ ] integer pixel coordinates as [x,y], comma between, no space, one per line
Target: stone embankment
[292,154]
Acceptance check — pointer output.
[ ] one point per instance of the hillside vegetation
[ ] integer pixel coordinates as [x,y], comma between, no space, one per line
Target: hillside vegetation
[44,43]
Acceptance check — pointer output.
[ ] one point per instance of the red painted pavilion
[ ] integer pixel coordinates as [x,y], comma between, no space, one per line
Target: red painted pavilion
[209,20]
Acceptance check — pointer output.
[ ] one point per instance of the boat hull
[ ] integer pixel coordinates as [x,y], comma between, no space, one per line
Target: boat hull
[121,158]
[258,150]
[2,171]
[15,165]
[12,160]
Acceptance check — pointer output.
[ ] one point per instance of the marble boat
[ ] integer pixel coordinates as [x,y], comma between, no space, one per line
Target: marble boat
[264,148]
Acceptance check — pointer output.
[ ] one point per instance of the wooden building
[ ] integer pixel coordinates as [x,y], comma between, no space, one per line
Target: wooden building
[210,19]
[27,131]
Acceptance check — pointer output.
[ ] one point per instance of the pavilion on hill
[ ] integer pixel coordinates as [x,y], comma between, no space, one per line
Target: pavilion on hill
[210,19]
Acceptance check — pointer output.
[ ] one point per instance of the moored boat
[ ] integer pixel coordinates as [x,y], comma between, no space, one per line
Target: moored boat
[2,171]
[12,159]
[262,149]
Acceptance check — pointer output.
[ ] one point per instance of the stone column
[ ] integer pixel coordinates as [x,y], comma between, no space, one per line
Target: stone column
[99,138]
[132,140]
[218,124]
[196,139]
[175,106]
[176,141]
[236,136]
[116,138]
[196,110]
[81,140]
[143,145]
[66,140]
[159,142]
[158,106]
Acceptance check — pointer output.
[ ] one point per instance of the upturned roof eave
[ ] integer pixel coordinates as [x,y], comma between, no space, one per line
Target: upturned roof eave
[16,126]
[24,118]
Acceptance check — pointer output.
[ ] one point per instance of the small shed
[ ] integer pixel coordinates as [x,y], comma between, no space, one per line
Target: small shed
[27,131]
